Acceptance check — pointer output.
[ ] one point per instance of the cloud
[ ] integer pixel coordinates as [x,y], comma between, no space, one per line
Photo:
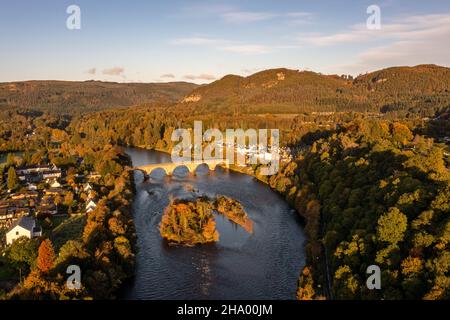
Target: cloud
[240,47]
[233,14]
[205,9]
[197,41]
[410,41]
[247,17]
[223,45]
[299,14]
[400,53]
[168,75]
[247,49]
[92,71]
[116,71]
[407,28]
[207,77]
[299,18]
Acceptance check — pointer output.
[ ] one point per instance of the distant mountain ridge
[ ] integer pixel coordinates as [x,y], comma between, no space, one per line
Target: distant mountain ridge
[88,94]
[422,88]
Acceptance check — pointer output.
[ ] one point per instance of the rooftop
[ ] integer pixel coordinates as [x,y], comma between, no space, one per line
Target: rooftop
[27,223]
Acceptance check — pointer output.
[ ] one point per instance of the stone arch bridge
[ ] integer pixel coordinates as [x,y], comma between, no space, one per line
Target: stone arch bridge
[169,167]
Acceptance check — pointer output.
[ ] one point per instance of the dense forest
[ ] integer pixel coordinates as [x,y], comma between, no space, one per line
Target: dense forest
[74,97]
[372,193]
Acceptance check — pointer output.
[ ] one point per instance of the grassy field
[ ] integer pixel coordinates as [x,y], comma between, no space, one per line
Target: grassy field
[67,229]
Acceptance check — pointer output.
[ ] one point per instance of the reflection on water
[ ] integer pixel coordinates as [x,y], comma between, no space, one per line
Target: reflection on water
[262,265]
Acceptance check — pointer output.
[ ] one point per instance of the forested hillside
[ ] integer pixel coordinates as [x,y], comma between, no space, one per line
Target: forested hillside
[406,91]
[69,97]
[422,90]
[372,193]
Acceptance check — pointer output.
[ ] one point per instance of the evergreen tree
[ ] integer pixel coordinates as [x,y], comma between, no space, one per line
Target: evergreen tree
[13,181]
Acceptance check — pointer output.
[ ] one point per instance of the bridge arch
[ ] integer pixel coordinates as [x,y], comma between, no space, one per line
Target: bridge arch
[180,167]
[203,165]
[158,169]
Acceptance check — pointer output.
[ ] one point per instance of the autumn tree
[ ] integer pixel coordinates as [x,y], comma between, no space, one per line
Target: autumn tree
[345,283]
[411,266]
[46,256]
[69,201]
[392,226]
[116,226]
[401,133]
[305,289]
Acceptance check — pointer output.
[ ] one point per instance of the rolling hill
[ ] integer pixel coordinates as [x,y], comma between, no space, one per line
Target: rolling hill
[421,89]
[88,95]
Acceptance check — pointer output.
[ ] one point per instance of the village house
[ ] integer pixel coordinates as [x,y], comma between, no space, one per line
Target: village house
[93,176]
[17,205]
[32,187]
[35,174]
[87,187]
[47,209]
[6,217]
[24,227]
[22,202]
[52,174]
[54,191]
[90,206]
[47,206]
[9,215]
[32,169]
[54,184]
[31,194]
[17,196]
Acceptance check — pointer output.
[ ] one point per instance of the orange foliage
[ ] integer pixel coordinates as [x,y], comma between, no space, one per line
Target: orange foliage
[46,256]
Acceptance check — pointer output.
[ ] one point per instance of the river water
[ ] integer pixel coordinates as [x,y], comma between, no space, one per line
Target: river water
[262,265]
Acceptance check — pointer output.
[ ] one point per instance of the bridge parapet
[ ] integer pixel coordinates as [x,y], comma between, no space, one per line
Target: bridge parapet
[169,167]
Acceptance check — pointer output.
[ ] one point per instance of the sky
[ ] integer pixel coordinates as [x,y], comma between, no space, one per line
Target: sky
[203,40]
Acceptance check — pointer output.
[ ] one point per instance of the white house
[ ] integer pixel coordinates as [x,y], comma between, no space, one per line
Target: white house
[55,184]
[32,186]
[24,227]
[90,206]
[32,169]
[87,187]
[52,174]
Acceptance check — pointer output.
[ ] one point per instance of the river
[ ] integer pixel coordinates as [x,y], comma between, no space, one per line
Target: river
[262,265]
